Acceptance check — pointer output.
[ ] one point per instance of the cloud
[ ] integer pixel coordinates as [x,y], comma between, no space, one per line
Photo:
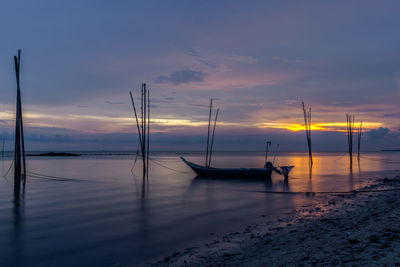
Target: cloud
[182,76]
[243,59]
[378,133]
[286,60]
[208,62]
[114,103]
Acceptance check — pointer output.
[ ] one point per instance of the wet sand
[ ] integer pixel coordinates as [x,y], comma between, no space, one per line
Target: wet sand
[352,229]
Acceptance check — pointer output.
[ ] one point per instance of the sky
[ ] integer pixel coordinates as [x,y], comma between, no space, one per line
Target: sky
[258,60]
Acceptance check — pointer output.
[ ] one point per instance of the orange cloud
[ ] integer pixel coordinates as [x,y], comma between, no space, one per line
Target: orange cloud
[328,126]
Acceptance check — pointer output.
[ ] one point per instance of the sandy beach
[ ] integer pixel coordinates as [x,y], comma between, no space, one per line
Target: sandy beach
[352,229]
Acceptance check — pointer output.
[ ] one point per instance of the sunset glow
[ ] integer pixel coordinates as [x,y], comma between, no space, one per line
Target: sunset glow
[329,126]
[258,72]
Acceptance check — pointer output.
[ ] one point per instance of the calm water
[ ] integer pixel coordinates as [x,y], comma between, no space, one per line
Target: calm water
[105,214]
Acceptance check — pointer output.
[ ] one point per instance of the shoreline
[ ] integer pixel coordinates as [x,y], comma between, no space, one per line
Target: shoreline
[360,227]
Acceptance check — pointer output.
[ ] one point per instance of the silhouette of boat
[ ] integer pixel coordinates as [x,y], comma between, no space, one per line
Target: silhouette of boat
[265,172]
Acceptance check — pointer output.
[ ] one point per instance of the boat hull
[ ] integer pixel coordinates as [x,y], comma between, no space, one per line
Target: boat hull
[260,173]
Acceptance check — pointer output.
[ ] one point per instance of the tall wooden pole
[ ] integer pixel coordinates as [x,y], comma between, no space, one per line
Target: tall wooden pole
[266,150]
[137,120]
[19,166]
[350,126]
[148,131]
[144,128]
[208,134]
[359,140]
[307,122]
[143,125]
[17,142]
[212,138]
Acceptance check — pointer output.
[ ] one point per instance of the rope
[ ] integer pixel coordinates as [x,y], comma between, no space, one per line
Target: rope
[380,159]
[9,169]
[57,178]
[137,154]
[162,165]
[324,192]
[340,156]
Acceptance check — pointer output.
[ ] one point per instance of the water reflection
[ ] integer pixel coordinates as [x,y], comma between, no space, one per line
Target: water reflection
[16,242]
[286,187]
[119,216]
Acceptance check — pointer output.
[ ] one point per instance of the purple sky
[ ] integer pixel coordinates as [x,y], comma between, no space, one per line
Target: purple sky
[257,59]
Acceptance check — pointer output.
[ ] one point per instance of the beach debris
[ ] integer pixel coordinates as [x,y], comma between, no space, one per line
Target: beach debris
[353,241]
[374,238]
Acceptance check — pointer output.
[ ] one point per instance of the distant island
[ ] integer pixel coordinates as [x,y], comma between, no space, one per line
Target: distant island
[54,154]
[391,150]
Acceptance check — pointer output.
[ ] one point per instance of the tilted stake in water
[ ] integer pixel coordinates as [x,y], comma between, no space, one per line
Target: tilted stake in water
[350,126]
[143,125]
[209,147]
[19,149]
[208,133]
[359,140]
[269,143]
[307,122]
[212,139]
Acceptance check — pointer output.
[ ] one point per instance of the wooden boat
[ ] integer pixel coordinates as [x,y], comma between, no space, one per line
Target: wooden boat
[265,172]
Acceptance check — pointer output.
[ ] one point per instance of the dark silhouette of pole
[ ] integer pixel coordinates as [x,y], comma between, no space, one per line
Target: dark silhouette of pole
[208,134]
[350,127]
[137,120]
[359,140]
[307,122]
[266,150]
[276,152]
[143,125]
[148,131]
[212,139]
[19,145]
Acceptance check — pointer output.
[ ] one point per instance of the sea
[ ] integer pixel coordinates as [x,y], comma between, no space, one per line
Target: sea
[98,209]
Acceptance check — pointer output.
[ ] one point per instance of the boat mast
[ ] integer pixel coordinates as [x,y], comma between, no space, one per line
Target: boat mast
[276,152]
[266,150]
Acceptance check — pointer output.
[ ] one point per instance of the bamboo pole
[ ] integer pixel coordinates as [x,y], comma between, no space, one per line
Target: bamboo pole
[148,131]
[266,150]
[143,125]
[137,120]
[350,128]
[144,128]
[212,139]
[21,122]
[276,152]
[141,120]
[307,122]
[2,151]
[19,167]
[208,134]
[359,140]
[17,143]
